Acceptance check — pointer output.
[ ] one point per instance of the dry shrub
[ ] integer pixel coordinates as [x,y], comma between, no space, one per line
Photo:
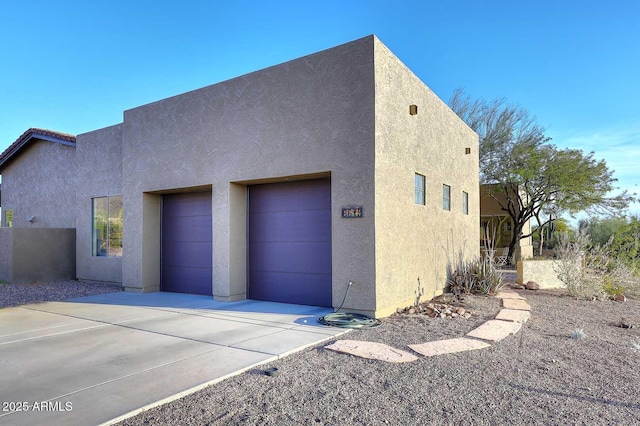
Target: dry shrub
[591,271]
[478,276]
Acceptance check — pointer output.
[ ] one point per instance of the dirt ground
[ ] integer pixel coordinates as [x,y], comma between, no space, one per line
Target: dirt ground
[540,376]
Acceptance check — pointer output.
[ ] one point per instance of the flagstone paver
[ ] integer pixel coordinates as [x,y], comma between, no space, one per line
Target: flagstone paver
[516,304]
[514,315]
[448,346]
[371,350]
[508,294]
[508,321]
[495,330]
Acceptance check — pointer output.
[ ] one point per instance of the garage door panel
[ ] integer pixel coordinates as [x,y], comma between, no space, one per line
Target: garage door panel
[303,257]
[186,247]
[188,228]
[187,204]
[192,254]
[198,279]
[289,196]
[292,288]
[289,242]
[300,225]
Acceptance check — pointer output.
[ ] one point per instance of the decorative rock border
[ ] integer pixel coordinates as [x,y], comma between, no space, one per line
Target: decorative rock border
[507,322]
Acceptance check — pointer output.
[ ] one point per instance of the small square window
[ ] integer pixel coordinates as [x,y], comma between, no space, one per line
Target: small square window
[446,197]
[465,203]
[419,189]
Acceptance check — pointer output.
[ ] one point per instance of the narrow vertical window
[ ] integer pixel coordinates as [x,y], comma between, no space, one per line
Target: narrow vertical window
[419,189]
[446,197]
[465,203]
[115,226]
[106,235]
[8,218]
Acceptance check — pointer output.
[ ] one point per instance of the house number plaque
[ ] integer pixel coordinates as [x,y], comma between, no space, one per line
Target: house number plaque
[352,212]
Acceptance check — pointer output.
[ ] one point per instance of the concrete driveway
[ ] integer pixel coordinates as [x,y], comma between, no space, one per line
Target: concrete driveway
[100,358]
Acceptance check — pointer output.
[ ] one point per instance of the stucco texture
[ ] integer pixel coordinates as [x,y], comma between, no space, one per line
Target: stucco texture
[342,113]
[40,182]
[313,116]
[99,159]
[37,254]
[415,244]
[6,264]
[544,272]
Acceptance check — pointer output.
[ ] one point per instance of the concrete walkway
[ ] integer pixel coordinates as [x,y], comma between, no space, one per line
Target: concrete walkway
[100,358]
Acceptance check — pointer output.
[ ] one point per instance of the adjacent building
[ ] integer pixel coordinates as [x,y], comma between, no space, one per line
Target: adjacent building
[496,226]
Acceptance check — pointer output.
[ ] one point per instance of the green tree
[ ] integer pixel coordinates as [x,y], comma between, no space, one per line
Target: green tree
[626,244]
[601,229]
[538,180]
[549,235]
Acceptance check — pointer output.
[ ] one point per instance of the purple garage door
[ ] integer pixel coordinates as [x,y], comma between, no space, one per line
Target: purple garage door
[186,243]
[289,251]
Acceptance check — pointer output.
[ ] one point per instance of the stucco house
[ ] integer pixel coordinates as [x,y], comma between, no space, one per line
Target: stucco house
[284,184]
[37,237]
[496,226]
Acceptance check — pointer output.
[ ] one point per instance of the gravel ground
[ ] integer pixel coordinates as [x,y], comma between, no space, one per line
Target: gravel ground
[20,294]
[541,376]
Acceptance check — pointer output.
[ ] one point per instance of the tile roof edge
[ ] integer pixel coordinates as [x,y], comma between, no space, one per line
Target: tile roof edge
[35,133]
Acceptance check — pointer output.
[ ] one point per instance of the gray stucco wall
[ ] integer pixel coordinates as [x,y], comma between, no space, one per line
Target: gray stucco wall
[99,155]
[5,254]
[313,116]
[37,254]
[415,243]
[40,182]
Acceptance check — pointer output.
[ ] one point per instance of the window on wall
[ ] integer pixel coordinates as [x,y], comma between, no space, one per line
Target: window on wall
[106,236]
[419,189]
[446,197]
[8,218]
[465,203]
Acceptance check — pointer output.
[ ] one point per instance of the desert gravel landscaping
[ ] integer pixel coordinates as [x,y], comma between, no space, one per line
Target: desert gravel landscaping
[571,363]
[21,294]
[541,376]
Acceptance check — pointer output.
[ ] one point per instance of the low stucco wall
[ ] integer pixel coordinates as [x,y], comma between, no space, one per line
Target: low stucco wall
[38,254]
[541,271]
[524,251]
[5,254]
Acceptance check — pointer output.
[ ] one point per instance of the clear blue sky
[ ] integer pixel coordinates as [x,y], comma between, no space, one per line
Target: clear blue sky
[75,65]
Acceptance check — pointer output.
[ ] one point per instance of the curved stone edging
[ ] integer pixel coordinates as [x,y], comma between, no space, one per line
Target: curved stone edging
[515,312]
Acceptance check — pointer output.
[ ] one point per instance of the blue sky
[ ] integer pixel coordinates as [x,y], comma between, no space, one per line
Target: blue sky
[75,66]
